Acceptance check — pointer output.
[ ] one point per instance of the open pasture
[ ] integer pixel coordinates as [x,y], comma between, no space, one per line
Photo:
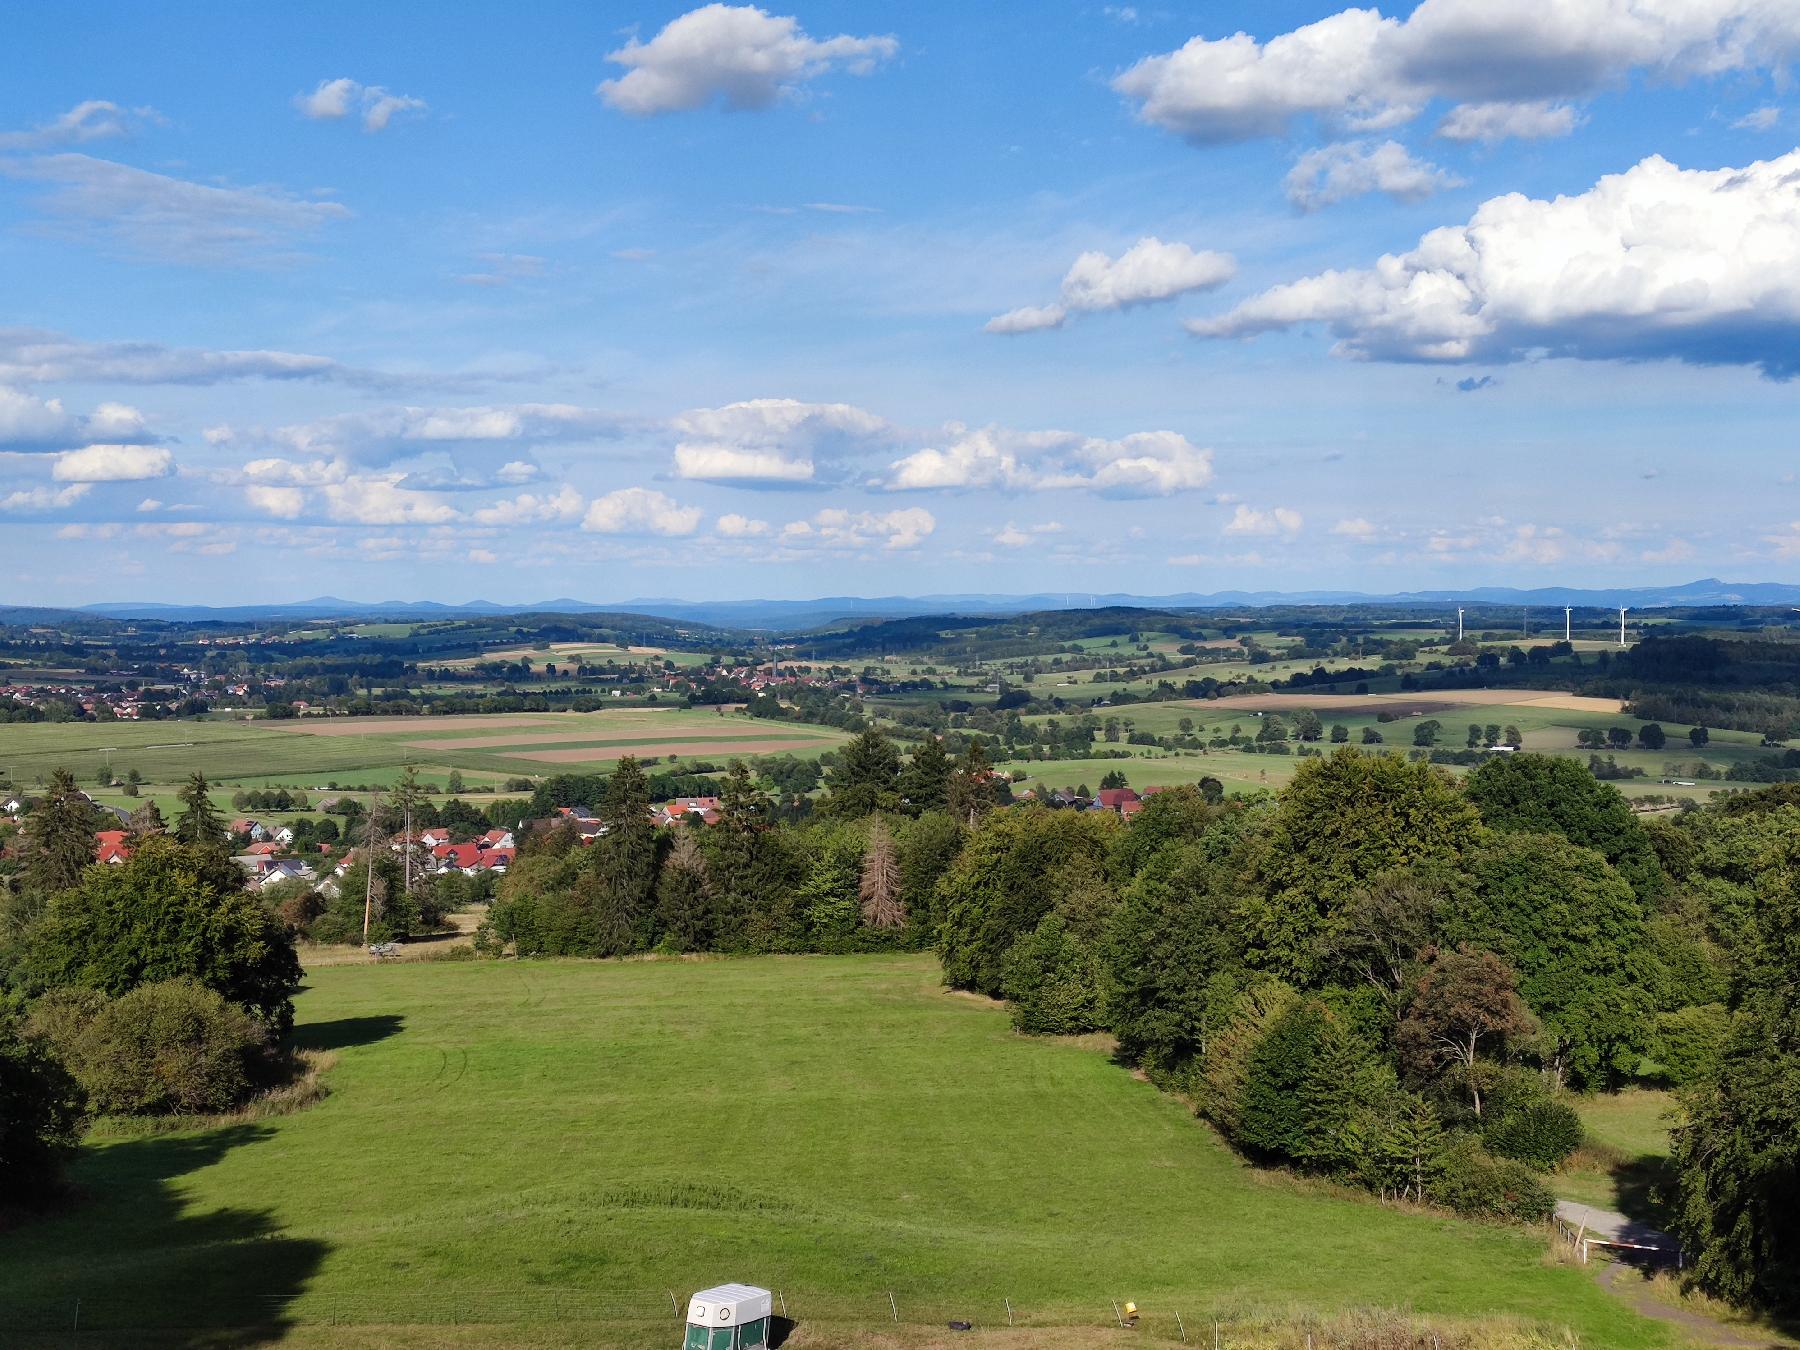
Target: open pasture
[519,1146]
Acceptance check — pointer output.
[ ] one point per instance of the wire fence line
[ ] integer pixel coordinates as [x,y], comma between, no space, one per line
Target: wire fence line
[112,1319]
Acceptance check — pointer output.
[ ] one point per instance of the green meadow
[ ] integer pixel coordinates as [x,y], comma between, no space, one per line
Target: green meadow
[509,1147]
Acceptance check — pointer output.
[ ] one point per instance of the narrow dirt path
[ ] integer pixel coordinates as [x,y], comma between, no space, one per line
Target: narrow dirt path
[1630,1284]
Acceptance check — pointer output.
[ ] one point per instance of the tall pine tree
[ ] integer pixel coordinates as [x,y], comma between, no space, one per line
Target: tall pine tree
[200,822]
[684,899]
[867,778]
[624,865]
[925,781]
[59,837]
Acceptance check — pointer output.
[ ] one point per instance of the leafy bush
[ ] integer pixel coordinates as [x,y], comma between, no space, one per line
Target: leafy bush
[174,1047]
[41,1109]
[1474,1183]
[172,912]
[1052,979]
[1540,1134]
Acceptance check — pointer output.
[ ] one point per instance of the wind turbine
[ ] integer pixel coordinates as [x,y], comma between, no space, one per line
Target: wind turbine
[1459,614]
[1622,609]
[1566,612]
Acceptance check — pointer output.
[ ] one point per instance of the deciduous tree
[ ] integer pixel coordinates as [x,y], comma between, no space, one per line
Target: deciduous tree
[1466,1003]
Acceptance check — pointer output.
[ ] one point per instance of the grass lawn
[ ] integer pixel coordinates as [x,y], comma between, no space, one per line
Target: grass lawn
[1628,1147]
[529,1145]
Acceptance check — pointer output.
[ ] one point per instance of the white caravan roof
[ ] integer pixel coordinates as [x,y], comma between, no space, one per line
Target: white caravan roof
[728,1305]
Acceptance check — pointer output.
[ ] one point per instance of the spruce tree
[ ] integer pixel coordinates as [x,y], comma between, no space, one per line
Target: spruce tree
[867,778]
[747,871]
[684,900]
[59,837]
[200,822]
[624,863]
[925,781]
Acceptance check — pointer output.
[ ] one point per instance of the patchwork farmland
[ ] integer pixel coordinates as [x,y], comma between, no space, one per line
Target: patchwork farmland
[311,752]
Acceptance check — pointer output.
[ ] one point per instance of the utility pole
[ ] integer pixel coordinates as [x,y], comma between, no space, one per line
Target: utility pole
[369,869]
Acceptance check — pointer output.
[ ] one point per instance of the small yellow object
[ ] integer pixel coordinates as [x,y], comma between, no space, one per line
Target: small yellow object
[1130,1309]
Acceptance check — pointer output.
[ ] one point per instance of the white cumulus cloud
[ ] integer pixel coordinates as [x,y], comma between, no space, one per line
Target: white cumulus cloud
[1276,520]
[1143,464]
[773,441]
[285,503]
[378,499]
[337,99]
[837,529]
[533,508]
[742,56]
[640,511]
[1354,168]
[113,464]
[43,498]
[734,526]
[1149,271]
[1359,70]
[1697,265]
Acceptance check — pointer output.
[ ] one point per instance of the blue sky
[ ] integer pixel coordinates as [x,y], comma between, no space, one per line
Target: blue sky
[610,300]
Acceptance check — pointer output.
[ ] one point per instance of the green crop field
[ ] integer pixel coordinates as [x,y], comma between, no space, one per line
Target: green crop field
[533,1144]
[309,752]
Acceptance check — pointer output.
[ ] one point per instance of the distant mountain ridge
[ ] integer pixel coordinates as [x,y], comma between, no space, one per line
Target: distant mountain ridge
[797,614]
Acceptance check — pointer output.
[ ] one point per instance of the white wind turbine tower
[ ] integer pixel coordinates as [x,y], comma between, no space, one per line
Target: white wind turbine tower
[1566,612]
[1459,614]
[1622,609]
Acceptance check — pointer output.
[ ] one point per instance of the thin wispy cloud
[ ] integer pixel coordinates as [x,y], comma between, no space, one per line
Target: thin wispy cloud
[174,220]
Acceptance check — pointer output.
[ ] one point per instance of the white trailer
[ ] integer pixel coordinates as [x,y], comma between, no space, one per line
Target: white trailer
[729,1317]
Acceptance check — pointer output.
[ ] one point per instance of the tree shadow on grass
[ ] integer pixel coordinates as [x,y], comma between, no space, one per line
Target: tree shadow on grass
[347,1031]
[126,1262]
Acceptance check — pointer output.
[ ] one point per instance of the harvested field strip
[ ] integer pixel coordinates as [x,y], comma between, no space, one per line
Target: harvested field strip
[383,726]
[597,735]
[598,753]
[1437,700]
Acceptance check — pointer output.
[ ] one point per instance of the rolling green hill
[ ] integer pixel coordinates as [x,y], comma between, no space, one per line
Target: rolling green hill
[542,1153]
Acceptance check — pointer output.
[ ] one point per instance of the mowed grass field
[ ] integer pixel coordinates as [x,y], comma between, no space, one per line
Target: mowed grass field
[537,1153]
[310,751]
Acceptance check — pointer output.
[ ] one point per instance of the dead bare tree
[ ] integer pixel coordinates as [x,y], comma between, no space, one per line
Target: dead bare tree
[882,905]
